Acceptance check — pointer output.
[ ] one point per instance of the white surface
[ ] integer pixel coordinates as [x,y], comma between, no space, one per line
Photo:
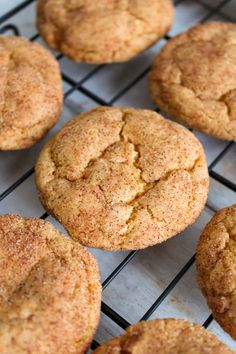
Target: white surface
[6,5]
[151,270]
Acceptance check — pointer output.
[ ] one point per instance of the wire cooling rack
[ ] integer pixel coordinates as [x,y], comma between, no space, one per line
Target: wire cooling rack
[159,281]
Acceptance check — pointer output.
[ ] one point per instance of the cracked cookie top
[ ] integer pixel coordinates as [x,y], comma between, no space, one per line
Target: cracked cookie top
[165,336]
[121,178]
[216,266]
[194,79]
[50,292]
[30,95]
[103,31]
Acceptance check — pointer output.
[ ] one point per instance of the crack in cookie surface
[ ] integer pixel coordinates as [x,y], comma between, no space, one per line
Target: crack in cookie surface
[104,172]
[136,202]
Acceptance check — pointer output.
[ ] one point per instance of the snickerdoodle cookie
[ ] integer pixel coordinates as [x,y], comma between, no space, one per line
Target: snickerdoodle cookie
[165,336]
[122,178]
[103,31]
[30,95]
[50,292]
[194,79]
[216,265]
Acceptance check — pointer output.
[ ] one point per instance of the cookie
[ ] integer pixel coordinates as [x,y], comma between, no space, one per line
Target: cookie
[30,95]
[104,31]
[216,267]
[165,336]
[50,292]
[193,79]
[122,178]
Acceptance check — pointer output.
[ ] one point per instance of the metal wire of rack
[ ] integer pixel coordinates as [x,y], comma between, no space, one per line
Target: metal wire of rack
[11,28]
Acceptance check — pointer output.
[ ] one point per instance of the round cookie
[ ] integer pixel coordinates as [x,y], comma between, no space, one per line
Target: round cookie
[165,336]
[194,79]
[104,31]
[216,267]
[50,293]
[122,178]
[30,95]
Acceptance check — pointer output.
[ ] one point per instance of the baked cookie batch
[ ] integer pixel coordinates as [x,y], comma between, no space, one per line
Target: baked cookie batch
[115,178]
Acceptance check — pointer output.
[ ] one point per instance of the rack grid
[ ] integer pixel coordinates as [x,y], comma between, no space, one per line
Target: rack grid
[81,86]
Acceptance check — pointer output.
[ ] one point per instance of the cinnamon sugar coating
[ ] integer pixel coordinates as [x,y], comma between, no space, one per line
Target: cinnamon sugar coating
[194,79]
[165,336]
[30,95]
[122,178]
[216,266]
[103,31]
[50,292]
